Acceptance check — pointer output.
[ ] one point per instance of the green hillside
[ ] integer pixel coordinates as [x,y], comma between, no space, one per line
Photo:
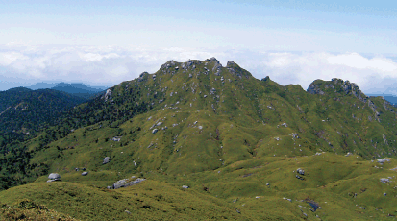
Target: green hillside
[79,90]
[235,141]
[24,112]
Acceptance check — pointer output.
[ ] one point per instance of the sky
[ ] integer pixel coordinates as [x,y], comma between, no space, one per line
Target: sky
[107,42]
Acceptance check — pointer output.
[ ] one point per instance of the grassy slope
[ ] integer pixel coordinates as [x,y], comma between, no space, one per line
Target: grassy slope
[244,116]
[330,180]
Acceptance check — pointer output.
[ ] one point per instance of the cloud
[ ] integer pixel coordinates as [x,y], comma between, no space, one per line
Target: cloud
[109,65]
[368,73]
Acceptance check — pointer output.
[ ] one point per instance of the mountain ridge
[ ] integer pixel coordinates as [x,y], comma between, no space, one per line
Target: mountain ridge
[218,131]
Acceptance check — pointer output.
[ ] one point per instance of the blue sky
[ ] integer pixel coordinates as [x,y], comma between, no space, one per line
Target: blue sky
[73,41]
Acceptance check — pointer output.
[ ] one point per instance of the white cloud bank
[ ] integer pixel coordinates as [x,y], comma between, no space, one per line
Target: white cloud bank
[25,65]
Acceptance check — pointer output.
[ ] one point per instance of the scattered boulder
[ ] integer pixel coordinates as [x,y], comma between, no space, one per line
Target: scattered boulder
[382,161]
[384,180]
[300,171]
[84,173]
[116,138]
[106,160]
[54,176]
[125,183]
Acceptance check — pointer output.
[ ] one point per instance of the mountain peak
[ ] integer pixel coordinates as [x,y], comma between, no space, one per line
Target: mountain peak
[336,86]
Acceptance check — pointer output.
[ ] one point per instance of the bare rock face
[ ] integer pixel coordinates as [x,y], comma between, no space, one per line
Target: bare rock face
[230,64]
[217,67]
[108,95]
[315,89]
[143,76]
[265,79]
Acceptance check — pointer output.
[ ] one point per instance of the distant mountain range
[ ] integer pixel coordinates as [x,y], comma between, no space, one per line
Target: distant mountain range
[77,89]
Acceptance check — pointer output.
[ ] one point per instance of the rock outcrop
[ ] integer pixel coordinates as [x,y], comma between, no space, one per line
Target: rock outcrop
[108,95]
[143,76]
[125,183]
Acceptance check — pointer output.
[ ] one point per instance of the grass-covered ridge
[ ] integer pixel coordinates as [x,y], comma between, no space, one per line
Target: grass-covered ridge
[225,134]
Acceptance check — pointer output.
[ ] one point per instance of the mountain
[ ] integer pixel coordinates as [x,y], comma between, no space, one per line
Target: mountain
[42,85]
[24,112]
[80,90]
[213,142]
[388,97]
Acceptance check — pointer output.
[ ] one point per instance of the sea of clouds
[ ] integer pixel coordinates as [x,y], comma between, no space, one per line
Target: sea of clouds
[22,65]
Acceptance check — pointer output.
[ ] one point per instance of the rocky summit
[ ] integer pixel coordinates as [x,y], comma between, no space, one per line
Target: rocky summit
[212,142]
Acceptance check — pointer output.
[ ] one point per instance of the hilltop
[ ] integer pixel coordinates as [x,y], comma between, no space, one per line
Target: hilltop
[233,140]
